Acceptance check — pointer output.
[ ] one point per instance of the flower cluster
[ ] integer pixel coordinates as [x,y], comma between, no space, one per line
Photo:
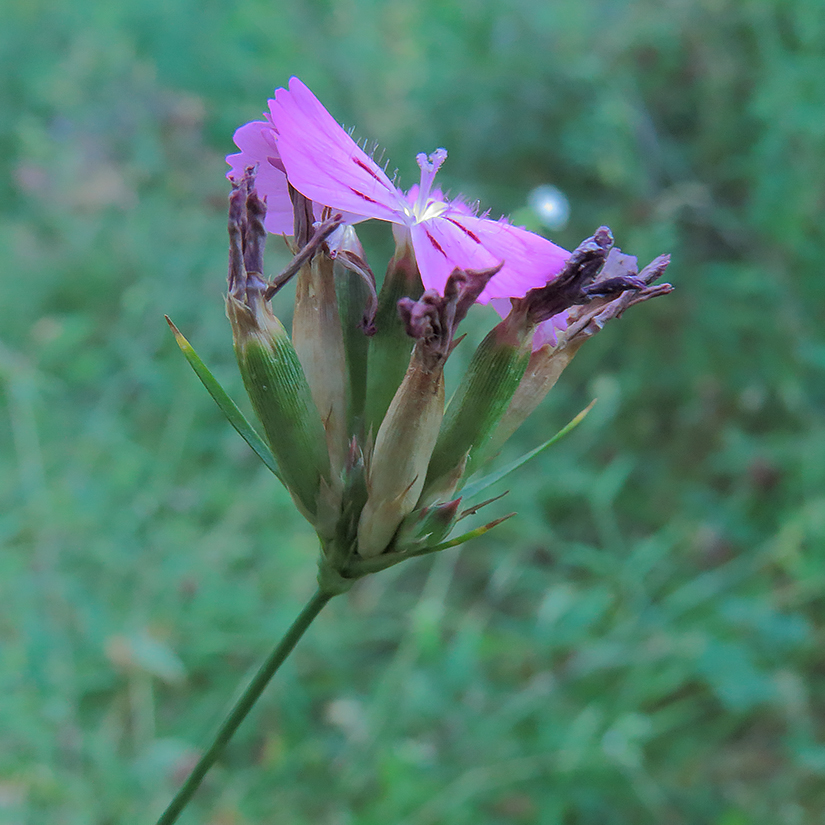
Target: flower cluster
[352,401]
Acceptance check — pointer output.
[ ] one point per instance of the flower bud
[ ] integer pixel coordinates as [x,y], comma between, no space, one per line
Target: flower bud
[357,303]
[319,343]
[269,365]
[401,454]
[281,397]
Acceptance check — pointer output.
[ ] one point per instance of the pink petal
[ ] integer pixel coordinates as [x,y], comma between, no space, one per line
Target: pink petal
[256,140]
[529,259]
[442,244]
[324,163]
[547,331]
[456,239]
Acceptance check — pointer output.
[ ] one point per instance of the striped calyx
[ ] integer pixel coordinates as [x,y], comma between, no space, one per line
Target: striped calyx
[271,370]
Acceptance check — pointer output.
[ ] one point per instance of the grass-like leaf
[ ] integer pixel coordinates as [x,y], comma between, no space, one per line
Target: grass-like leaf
[470,534]
[475,487]
[227,406]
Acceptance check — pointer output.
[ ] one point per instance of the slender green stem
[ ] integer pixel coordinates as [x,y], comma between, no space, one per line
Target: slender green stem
[244,704]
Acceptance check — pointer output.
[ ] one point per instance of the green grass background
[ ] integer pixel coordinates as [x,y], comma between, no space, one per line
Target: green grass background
[643,644]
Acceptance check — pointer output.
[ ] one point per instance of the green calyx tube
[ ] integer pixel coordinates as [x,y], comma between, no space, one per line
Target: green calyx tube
[479,403]
[279,392]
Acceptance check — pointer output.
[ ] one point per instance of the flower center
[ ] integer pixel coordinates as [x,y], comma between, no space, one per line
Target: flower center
[425,207]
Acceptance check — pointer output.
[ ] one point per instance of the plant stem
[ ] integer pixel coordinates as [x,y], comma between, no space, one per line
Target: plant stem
[251,695]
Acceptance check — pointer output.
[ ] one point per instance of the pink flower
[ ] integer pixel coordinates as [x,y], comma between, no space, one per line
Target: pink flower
[326,165]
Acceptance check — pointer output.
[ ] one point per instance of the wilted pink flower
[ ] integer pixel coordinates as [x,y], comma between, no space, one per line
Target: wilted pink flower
[256,140]
[595,270]
[326,165]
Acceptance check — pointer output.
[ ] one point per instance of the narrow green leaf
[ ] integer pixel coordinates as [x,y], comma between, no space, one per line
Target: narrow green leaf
[227,406]
[470,534]
[360,566]
[476,487]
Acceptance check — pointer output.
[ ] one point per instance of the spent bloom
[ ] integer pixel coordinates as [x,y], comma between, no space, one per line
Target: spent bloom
[302,143]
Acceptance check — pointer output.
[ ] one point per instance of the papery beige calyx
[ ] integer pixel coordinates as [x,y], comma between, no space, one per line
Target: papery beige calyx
[319,342]
[401,454]
[404,444]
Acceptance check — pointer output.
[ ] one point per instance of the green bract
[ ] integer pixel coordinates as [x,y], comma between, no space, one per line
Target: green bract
[319,343]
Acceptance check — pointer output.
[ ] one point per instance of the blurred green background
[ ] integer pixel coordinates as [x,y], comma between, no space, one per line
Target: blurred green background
[643,644]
